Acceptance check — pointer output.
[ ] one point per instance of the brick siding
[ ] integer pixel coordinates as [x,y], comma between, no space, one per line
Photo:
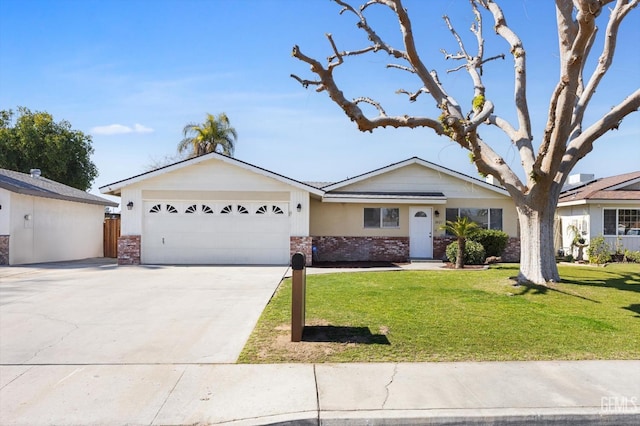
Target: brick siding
[354,249]
[302,245]
[4,249]
[129,250]
[512,251]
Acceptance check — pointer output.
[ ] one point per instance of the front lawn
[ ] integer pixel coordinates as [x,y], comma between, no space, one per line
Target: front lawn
[594,313]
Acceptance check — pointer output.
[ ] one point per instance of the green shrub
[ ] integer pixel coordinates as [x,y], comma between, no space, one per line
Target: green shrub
[632,256]
[599,251]
[474,253]
[493,241]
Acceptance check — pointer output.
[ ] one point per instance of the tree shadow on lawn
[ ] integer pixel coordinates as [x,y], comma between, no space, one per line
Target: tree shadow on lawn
[634,308]
[342,334]
[530,288]
[619,281]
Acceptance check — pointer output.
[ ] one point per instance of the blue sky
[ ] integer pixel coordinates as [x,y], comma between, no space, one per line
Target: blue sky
[132,73]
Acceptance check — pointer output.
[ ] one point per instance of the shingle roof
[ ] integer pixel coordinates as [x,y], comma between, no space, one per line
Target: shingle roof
[23,183]
[610,188]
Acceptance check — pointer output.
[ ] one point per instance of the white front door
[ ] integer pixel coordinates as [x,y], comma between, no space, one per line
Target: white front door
[420,233]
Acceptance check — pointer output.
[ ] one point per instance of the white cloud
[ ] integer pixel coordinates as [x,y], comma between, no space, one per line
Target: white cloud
[139,128]
[119,129]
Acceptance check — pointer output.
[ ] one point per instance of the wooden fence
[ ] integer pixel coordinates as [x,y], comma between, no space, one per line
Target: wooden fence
[111,228]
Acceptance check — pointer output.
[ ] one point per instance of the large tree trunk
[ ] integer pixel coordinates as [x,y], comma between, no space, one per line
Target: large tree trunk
[537,252]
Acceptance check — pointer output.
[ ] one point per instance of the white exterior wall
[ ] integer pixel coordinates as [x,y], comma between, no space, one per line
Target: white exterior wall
[49,230]
[590,217]
[300,220]
[212,180]
[5,209]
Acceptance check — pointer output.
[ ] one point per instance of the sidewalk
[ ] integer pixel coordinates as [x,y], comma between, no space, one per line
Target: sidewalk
[513,393]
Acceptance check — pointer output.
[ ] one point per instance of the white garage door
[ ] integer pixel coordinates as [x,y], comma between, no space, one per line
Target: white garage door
[201,232]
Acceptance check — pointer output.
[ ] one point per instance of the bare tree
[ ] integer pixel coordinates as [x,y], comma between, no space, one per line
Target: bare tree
[565,139]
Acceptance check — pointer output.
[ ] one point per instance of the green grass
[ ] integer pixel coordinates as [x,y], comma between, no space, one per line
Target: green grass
[594,313]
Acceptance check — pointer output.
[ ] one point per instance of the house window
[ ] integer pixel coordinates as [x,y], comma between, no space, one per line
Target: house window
[171,209]
[206,209]
[242,209]
[226,209]
[276,210]
[262,210]
[485,218]
[191,209]
[381,217]
[621,221]
[155,209]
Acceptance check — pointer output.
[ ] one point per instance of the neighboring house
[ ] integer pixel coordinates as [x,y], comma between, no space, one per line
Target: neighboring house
[44,221]
[608,207]
[215,209]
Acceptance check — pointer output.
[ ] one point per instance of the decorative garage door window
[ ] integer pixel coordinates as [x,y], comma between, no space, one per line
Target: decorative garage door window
[168,208]
[208,208]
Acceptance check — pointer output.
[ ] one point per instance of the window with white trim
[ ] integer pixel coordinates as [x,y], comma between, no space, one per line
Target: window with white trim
[382,217]
[621,222]
[485,218]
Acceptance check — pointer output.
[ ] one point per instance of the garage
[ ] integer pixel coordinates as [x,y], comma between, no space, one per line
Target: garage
[222,232]
[212,210]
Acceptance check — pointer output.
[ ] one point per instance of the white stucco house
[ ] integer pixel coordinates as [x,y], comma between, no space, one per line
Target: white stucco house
[45,221]
[608,207]
[215,209]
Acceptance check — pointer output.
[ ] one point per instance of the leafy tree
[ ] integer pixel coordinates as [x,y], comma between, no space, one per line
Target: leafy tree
[35,140]
[462,228]
[565,139]
[214,135]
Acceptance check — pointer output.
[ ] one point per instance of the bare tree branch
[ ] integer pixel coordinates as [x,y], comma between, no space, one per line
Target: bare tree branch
[527,155]
[412,96]
[583,144]
[606,58]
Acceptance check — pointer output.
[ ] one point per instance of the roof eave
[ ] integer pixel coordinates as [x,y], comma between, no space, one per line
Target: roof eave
[415,160]
[115,188]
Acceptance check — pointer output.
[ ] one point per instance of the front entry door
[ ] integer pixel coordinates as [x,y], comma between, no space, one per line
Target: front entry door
[420,233]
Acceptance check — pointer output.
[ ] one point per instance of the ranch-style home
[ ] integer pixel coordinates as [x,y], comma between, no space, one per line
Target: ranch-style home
[42,220]
[215,209]
[608,207]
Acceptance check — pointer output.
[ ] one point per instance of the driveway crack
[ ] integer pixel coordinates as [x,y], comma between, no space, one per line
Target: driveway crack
[167,398]
[64,336]
[393,376]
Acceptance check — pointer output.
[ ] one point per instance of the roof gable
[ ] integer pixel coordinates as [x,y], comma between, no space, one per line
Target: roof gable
[22,183]
[415,175]
[116,187]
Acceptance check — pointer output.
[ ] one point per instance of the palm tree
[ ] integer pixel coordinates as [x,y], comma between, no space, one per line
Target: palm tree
[461,228]
[214,135]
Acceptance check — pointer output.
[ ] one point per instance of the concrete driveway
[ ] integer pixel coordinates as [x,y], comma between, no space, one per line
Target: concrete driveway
[94,312]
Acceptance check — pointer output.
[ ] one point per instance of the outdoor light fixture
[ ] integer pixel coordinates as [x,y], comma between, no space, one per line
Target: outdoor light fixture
[130,205]
[27,217]
[299,208]
[437,213]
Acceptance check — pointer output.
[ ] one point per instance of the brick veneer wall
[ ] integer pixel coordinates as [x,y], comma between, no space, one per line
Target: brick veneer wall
[302,245]
[129,250]
[511,252]
[440,247]
[4,249]
[353,249]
